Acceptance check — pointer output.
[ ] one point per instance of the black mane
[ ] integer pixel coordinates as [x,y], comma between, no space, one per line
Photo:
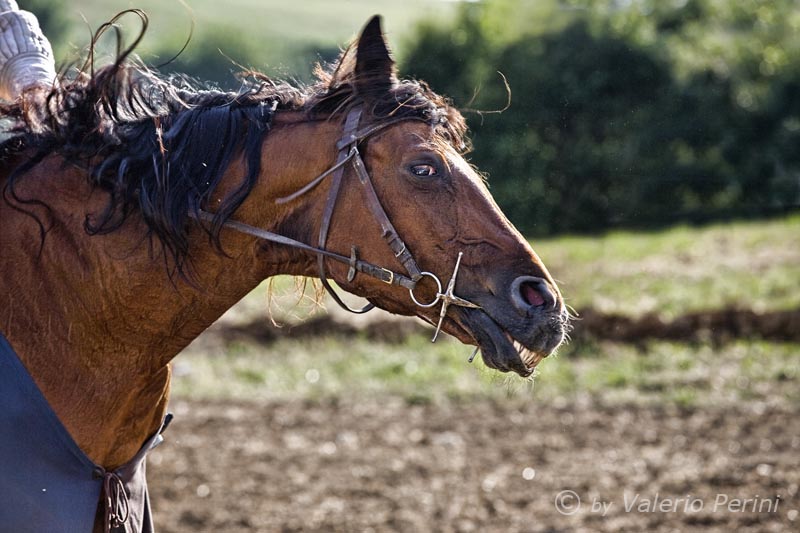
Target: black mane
[160,145]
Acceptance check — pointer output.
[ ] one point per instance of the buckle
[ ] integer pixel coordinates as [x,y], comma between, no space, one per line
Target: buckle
[351,273]
[391,276]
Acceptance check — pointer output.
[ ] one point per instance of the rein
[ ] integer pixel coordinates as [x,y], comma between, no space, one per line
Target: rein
[349,153]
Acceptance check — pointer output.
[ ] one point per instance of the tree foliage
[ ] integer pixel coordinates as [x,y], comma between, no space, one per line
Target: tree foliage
[638,112]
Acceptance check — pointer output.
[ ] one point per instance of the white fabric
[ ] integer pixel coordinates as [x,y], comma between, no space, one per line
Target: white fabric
[26,58]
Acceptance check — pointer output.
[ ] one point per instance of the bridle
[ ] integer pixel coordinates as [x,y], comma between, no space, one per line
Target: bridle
[348,152]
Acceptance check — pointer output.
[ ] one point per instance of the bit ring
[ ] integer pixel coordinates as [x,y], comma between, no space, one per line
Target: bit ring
[438,291]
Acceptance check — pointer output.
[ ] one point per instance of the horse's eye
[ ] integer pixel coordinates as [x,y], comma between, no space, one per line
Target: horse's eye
[424,171]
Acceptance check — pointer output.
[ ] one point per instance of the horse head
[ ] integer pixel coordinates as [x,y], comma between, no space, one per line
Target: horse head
[403,216]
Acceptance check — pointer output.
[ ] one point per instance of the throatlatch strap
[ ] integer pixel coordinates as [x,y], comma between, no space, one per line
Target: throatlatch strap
[383,274]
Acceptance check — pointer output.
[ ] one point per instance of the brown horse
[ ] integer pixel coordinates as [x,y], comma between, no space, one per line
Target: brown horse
[137,210]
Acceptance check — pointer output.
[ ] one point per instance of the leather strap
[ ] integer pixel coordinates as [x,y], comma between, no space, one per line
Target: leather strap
[387,228]
[350,126]
[348,151]
[383,274]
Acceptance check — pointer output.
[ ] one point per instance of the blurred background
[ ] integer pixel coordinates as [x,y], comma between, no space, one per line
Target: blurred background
[649,151]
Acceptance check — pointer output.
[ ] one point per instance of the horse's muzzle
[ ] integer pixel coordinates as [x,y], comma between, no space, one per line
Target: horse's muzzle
[518,327]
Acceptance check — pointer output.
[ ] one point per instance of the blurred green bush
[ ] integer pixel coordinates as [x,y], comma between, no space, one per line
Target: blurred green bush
[635,113]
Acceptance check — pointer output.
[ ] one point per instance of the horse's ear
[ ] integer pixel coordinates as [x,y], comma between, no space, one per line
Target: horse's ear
[375,70]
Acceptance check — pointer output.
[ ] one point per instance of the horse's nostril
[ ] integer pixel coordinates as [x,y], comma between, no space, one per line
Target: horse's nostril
[530,291]
[531,295]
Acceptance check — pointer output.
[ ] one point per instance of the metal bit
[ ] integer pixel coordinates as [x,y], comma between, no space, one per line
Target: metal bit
[449,298]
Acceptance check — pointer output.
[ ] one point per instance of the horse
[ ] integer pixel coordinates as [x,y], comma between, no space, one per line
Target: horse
[138,208]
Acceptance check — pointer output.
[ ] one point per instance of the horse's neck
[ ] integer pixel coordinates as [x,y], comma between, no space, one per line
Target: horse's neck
[96,319]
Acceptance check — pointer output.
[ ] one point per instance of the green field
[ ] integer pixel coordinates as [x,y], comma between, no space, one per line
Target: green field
[753,265]
[742,265]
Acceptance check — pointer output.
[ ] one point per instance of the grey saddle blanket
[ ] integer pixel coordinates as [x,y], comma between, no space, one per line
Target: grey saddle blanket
[47,483]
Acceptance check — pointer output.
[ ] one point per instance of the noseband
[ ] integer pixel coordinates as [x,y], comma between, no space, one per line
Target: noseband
[349,153]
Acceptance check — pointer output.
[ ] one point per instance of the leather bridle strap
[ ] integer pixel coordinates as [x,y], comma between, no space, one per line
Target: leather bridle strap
[355,264]
[350,127]
[387,229]
[348,150]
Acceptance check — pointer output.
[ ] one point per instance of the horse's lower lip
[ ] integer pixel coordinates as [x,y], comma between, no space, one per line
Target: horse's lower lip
[499,350]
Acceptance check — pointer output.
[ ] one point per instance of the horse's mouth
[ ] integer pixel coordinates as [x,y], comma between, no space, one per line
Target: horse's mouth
[502,350]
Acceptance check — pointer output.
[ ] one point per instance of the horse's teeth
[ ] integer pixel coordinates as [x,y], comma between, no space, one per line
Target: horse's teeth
[529,358]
